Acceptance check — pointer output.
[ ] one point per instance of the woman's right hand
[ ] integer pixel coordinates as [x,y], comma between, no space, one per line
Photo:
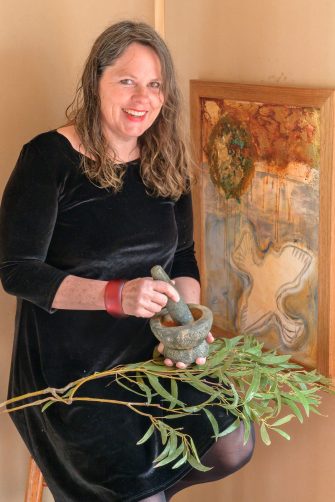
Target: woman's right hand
[144,297]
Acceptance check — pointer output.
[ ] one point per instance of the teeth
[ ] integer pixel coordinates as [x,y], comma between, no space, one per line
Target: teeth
[135,113]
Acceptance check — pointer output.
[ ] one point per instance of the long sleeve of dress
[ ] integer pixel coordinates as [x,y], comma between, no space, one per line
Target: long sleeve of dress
[184,263]
[27,219]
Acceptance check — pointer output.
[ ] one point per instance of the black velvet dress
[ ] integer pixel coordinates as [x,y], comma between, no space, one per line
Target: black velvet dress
[55,222]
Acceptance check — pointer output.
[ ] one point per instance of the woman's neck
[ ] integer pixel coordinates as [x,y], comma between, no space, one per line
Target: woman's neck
[123,151]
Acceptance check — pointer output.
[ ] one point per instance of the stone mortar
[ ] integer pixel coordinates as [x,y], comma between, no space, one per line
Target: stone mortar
[184,343]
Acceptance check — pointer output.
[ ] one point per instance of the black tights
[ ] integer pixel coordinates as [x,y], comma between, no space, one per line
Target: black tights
[226,456]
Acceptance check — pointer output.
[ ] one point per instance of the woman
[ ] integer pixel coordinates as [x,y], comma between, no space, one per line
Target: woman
[88,210]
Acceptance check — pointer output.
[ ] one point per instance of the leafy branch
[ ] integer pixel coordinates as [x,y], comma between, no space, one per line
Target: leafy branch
[254,386]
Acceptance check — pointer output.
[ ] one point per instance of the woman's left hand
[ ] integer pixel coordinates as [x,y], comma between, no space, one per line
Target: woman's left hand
[179,364]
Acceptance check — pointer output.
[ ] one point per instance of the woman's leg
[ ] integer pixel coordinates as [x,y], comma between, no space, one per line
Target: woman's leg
[226,456]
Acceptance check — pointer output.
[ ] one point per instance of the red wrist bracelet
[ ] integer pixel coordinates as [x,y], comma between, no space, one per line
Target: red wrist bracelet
[113,296]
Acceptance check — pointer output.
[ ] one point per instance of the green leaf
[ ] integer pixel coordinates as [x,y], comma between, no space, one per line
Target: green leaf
[174,416]
[241,373]
[218,357]
[232,342]
[163,453]
[163,432]
[265,435]
[227,363]
[236,399]
[161,391]
[247,430]
[308,392]
[254,351]
[216,396]
[282,433]
[302,399]
[145,388]
[278,399]
[180,462]
[294,408]
[173,441]
[274,359]
[192,409]
[235,425]
[201,386]
[129,389]
[171,457]
[254,385]
[247,411]
[174,393]
[197,464]
[264,395]
[283,420]
[194,449]
[258,410]
[47,405]
[290,366]
[213,422]
[147,435]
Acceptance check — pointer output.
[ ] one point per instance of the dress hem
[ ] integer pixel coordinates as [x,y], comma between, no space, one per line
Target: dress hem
[172,481]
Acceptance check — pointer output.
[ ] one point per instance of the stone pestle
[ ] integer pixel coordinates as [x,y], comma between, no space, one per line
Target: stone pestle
[179,311]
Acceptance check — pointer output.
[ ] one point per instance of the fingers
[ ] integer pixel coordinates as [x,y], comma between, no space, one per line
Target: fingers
[167,289]
[144,297]
[200,360]
[181,365]
[158,298]
[210,338]
[168,362]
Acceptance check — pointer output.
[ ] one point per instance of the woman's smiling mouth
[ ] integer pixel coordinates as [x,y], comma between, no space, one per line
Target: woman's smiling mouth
[134,114]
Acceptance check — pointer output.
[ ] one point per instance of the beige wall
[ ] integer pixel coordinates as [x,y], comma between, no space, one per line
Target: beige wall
[43,44]
[291,42]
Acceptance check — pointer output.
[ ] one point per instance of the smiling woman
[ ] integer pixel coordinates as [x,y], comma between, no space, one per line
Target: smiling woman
[164,159]
[89,209]
[131,99]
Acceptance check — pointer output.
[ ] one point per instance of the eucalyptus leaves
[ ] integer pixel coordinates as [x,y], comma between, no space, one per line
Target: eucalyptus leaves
[255,386]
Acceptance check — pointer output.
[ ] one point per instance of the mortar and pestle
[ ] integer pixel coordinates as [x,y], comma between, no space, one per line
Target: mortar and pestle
[181,327]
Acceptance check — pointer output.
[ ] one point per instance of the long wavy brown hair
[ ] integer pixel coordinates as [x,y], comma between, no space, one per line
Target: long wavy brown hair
[164,156]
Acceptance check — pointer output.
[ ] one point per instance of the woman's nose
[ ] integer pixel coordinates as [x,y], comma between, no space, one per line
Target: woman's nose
[141,92]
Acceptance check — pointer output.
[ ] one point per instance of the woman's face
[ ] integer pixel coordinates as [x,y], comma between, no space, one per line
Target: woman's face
[131,95]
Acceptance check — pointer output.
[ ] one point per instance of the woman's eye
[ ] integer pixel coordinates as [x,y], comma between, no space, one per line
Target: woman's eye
[155,85]
[127,81]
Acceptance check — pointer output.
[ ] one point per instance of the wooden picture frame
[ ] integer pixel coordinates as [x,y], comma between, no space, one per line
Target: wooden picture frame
[274,146]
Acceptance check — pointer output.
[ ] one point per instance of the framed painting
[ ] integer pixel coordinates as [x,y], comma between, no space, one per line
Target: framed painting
[264,213]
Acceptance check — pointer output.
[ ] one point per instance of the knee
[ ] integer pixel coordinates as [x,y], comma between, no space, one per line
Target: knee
[248,448]
[242,452]
[234,454]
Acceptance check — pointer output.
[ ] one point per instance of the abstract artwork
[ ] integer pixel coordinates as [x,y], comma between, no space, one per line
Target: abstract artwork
[263,213]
